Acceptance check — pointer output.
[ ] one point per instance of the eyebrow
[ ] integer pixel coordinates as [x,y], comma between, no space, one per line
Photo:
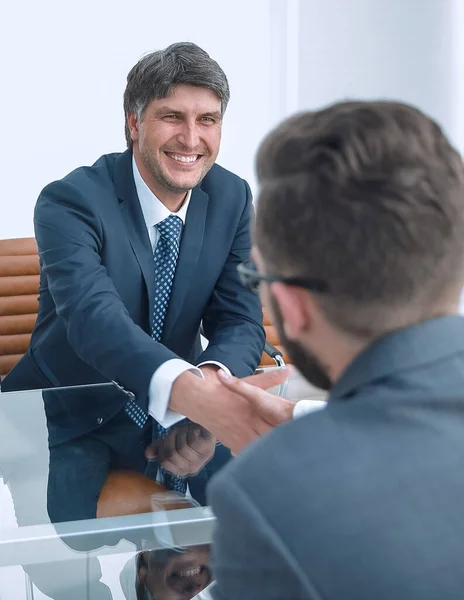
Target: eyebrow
[216,114]
[166,110]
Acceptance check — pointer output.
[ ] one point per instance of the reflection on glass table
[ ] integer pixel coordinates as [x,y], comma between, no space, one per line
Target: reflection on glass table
[61,558]
[170,574]
[134,515]
[174,572]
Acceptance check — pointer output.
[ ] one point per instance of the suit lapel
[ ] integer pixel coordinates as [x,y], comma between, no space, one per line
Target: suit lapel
[190,246]
[135,223]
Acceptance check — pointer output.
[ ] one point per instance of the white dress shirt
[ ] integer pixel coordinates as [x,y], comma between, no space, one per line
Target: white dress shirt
[304,407]
[154,211]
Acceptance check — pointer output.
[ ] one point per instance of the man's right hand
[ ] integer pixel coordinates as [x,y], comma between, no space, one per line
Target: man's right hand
[228,415]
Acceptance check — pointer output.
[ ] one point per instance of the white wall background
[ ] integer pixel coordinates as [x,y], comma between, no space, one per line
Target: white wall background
[458,52]
[400,49]
[63,70]
[63,74]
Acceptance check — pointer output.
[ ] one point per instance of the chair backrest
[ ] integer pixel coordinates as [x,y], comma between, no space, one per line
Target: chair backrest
[19,288]
[123,492]
[130,493]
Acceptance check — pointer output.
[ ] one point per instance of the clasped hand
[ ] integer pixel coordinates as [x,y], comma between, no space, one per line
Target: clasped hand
[184,451]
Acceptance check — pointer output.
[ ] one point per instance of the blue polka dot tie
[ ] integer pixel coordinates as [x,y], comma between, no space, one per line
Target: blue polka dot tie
[165,257]
[166,253]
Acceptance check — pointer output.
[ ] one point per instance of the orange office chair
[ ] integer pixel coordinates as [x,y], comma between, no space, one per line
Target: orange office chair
[124,492]
[19,284]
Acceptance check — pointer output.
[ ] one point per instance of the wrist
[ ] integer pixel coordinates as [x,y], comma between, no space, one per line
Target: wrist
[209,371]
[187,393]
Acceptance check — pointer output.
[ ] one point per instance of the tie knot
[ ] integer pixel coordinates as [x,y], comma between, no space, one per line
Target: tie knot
[170,228]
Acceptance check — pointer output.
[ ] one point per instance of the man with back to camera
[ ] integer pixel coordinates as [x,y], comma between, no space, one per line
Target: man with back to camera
[359,245]
[136,251]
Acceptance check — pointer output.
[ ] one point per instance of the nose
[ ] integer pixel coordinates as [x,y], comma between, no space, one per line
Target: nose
[189,136]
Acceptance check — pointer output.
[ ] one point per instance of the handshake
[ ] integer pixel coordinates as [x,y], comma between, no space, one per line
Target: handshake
[220,409]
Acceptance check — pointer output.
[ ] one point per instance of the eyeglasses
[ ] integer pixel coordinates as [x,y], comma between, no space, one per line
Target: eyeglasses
[251,279]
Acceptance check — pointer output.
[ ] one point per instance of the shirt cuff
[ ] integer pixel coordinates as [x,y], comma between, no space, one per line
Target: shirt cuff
[218,364]
[159,391]
[303,407]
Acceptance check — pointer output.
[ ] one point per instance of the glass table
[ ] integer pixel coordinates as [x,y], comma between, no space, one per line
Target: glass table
[156,552]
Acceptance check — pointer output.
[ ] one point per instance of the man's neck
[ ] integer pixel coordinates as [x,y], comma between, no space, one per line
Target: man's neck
[336,351]
[172,201]
[343,356]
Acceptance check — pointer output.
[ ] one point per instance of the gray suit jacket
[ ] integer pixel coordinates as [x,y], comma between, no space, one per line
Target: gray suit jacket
[364,499]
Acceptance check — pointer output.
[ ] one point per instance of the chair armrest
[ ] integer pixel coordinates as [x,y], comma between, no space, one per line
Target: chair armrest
[269,349]
[275,354]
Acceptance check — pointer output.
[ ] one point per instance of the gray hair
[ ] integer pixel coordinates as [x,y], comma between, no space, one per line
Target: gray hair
[157,73]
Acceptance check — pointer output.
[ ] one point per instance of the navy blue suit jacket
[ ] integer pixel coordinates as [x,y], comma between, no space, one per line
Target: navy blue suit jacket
[97,291]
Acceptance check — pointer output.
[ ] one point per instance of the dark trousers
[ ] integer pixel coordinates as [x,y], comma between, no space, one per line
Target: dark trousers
[79,468]
[77,472]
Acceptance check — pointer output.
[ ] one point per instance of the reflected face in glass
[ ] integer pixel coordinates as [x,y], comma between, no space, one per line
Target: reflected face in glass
[170,575]
[178,137]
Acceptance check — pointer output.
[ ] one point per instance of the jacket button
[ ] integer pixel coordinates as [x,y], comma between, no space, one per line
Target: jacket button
[99,420]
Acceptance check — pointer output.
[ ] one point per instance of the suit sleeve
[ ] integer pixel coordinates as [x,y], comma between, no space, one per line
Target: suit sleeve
[69,235]
[233,319]
[249,560]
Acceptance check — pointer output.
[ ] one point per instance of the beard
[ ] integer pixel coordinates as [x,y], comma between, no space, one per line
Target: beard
[153,165]
[303,360]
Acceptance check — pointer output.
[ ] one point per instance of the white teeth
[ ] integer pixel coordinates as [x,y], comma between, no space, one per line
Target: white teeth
[184,159]
[190,572]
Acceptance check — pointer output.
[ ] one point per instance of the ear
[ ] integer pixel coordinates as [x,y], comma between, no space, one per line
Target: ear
[142,575]
[295,307]
[133,124]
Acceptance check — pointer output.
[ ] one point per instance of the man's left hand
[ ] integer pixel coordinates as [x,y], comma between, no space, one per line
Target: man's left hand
[184,451]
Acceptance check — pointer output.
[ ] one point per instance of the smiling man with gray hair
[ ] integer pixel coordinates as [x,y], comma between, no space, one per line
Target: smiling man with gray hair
[137,252]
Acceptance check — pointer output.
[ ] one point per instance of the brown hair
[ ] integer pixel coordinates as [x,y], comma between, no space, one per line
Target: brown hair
[368,196]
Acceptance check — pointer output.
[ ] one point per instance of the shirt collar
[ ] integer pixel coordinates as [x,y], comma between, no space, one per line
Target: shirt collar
[154,211]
